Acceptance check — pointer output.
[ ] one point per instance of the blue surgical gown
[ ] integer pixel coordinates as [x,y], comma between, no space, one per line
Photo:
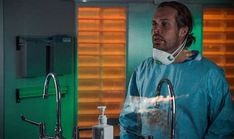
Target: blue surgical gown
[204,107]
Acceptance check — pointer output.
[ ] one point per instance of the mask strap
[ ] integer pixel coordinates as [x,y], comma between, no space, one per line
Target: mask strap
[180,48]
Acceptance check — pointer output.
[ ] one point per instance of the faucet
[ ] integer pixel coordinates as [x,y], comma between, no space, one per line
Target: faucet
[58,128]
[172,104]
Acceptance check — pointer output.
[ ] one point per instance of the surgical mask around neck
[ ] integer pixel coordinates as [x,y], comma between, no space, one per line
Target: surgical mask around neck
[165,57]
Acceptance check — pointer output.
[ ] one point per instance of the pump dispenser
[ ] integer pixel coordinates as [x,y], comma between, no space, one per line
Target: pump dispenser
[102,130]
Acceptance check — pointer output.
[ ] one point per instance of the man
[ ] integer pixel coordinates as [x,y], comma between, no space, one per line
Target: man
[203,104]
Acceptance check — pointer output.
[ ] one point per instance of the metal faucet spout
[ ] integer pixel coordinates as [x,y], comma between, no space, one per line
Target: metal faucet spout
[172,103]
[58,128]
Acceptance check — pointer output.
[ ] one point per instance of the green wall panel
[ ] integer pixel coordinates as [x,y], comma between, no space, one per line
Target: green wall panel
[139,35]
[36,18]
[1,72]
[197,28]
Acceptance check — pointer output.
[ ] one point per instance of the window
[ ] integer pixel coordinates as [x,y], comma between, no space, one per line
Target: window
[218,42]
[101,63]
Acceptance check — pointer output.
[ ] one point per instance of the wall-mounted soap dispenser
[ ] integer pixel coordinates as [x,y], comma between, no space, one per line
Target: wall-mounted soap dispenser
[102,130]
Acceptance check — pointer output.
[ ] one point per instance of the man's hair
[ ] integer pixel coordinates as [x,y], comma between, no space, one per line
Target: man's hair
[183,18]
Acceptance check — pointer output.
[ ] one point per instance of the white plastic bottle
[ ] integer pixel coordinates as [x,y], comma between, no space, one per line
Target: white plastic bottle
[102,130]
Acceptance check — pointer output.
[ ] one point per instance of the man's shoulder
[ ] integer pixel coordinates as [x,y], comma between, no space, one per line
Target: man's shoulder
[209,63]
[146,62]
[210,66]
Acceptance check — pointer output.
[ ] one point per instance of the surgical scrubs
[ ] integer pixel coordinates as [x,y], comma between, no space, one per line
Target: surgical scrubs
[204,107]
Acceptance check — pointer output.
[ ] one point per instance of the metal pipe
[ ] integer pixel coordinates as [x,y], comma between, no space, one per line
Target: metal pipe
[172,104]
[58,127]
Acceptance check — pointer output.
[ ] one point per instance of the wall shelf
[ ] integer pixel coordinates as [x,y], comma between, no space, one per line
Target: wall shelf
[36,92]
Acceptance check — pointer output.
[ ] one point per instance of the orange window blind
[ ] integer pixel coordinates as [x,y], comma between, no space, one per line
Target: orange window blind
[218,39]
[101,63]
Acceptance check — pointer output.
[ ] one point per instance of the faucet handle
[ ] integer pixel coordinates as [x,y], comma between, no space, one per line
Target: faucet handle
[29,121]
[41,126]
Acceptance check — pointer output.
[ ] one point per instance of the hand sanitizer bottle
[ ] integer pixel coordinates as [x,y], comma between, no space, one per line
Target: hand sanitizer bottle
[102,130]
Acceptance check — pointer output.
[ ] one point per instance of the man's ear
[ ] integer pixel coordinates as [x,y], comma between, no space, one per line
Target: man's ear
[183,31]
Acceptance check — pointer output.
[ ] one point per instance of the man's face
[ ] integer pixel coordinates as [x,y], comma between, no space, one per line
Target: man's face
[165,33]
